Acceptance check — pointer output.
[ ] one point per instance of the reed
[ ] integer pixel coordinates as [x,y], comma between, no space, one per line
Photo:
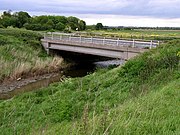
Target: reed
[22,56]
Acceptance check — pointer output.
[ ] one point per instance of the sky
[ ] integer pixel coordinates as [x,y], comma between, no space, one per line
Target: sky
[150,13]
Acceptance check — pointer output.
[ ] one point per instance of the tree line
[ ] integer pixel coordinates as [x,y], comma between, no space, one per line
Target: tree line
[40,23]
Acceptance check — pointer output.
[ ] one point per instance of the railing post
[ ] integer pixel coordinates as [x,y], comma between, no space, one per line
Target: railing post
[91,39]
[60,37]
[70,38]
[80,39]
[47,49]
[158,43]
[151,43]
[117,41]
[133,43]
[52,36]
[104,41]
[44,35]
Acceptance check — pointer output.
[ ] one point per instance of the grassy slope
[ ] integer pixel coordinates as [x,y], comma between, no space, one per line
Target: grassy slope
[21,54]
[139,98]
[154,113]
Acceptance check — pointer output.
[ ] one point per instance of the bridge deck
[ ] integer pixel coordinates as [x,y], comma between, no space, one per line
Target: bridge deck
[97,46]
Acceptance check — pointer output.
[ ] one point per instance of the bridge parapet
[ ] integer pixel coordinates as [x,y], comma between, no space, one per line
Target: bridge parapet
[114,48]
[103,41]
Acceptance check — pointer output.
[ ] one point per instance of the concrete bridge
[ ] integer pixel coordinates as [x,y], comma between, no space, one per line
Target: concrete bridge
[113,48]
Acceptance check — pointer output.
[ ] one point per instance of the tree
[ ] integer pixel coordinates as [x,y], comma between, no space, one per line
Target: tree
[22,18]
[82,25]
[33,26]
[50,24]
[57,19]
[62,19]
[8,21]
[60,26]
[99,26]
[73,22]
[7,13]
[41,19]
[73,19]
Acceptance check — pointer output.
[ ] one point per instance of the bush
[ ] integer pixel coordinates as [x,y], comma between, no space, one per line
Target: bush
[152,61]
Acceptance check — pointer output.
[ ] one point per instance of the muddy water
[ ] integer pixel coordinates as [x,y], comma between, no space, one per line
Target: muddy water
[79,70]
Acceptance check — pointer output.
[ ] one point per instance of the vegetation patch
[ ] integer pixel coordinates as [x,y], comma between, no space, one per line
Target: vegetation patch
[141,97]
[21,55]
[142,34]
[41,23]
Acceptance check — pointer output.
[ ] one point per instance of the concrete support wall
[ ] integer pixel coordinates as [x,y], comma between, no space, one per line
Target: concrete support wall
[45,45]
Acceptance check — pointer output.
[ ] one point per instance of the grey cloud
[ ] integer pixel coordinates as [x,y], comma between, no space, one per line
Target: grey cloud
[151,8]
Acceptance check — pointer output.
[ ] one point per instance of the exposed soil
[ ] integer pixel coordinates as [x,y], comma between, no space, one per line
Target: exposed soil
[9,86]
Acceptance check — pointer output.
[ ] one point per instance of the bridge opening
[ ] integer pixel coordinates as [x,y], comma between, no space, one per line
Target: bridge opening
[79,57]
[83,64]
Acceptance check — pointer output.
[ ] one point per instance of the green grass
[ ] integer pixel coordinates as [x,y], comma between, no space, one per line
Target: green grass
[141,97]
[154,113]
[164,35]
[21,55]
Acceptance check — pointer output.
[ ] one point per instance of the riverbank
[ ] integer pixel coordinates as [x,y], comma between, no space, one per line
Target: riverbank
[141,97]
[22,56]
[17,87]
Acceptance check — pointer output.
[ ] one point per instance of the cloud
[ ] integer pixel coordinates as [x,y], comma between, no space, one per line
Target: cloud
[153,8]
[93,10]
[123,20]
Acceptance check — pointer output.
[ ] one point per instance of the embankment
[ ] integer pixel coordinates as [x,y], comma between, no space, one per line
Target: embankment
[141,97]
[21,56]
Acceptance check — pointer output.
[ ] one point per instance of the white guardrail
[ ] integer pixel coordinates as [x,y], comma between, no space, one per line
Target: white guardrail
[102,41]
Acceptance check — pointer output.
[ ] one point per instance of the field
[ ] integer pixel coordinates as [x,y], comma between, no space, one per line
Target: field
[140,97]
[21,55]
[137,34]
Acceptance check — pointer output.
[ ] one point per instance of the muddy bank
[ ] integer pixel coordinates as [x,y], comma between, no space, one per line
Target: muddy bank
[29,82]
[9,86]
[8,90]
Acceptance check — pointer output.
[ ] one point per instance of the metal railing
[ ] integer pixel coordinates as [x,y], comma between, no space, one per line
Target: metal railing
[102,41]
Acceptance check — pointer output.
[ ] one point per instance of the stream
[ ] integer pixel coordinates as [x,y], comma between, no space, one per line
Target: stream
[79,70]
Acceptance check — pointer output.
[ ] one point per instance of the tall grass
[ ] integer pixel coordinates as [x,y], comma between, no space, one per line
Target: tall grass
[141,97]
[21,55]
[154,113]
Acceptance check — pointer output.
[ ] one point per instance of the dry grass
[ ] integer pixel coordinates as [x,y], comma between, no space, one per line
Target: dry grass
[21,58]
[16,69]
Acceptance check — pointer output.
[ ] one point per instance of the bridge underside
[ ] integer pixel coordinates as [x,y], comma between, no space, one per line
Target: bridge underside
[78,57]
